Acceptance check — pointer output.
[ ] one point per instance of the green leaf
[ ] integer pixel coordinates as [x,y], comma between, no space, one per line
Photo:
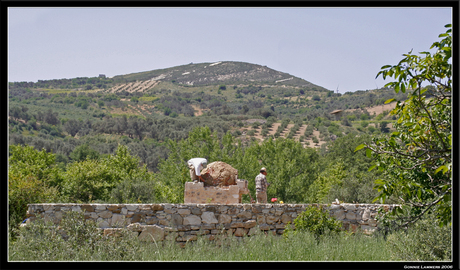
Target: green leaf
[379,182]
[359,147]
[443,168]
[390,100]
[403,88]
[368,152]
[371,168]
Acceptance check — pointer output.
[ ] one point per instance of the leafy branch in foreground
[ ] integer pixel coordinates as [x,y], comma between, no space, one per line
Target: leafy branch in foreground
[417,157]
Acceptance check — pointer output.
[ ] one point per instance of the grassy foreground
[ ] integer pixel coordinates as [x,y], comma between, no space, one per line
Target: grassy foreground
[84,242]
[302,247]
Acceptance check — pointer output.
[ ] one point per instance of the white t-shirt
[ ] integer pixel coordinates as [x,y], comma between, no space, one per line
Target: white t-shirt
[198,164]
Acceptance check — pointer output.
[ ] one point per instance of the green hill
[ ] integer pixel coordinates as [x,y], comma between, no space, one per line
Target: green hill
[145,109]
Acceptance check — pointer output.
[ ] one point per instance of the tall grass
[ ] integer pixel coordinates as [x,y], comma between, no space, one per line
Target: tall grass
[83,241]
[77,240]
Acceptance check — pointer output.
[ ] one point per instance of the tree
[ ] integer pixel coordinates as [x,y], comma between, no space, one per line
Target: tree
[94,179]
[33,177]
[51,117]
[72,127]
[83,152]
[417,157]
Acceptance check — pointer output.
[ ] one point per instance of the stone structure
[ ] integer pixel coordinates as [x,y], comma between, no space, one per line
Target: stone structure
[199,193]
[184,222]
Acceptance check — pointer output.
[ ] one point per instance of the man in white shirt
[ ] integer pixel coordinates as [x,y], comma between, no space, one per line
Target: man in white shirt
[196,165]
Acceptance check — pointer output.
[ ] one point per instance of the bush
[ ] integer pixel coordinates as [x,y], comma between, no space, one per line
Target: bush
[74,240]
[423,241]
[32,178]
[315,220]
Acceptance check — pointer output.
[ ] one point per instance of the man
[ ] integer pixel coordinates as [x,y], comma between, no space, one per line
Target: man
[196,165]
[261,186]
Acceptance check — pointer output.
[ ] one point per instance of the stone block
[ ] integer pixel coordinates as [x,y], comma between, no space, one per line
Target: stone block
[150,220]
[208,218]
[245,215]
[256,209]
[170,211]
[223,218]
[118,220]
[366,214]
[101,223]
[101,207]
[280,226]
[105,214]
[236,225]
[240,232]
[211,208]
[192,220]
[372,222]
[138,217]
[132,207]
[249,224]
[350,216]
[135,227]
[339,214]
[48,207]
[261,219]
[232,211]
[349,207]
[272,219]
[264,227]
[285,218]
[113,207]
[164,222]
[208,226]
[76,208]
[157,207]
[196,211]
[152,233]
[176,219]
[335,206]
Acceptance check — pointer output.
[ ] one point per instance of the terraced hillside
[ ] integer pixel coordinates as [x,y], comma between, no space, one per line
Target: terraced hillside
[226,72]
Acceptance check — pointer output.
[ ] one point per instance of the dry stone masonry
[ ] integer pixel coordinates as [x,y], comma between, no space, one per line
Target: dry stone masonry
[185,222]
[198,193]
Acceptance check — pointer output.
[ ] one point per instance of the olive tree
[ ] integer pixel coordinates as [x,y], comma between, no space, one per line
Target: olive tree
[417,157]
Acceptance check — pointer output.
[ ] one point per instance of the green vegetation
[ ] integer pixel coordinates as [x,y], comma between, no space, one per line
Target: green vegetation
[82,241]
[127,139]
[316,221]
[417,158]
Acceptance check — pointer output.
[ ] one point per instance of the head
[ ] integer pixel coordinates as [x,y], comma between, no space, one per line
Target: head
[263,171]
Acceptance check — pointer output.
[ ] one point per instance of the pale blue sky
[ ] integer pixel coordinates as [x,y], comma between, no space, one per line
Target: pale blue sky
[330,47]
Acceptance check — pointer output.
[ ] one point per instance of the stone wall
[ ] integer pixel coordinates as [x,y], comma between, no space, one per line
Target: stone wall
[184,222]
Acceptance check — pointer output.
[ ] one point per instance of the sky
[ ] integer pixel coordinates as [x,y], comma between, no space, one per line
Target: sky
[337,48]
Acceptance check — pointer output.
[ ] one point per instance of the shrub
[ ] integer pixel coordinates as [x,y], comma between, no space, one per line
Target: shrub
[317,221]
[423,241]
[76,239]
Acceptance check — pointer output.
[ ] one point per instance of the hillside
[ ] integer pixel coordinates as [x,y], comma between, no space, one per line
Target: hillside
[144,110]
[218,73]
